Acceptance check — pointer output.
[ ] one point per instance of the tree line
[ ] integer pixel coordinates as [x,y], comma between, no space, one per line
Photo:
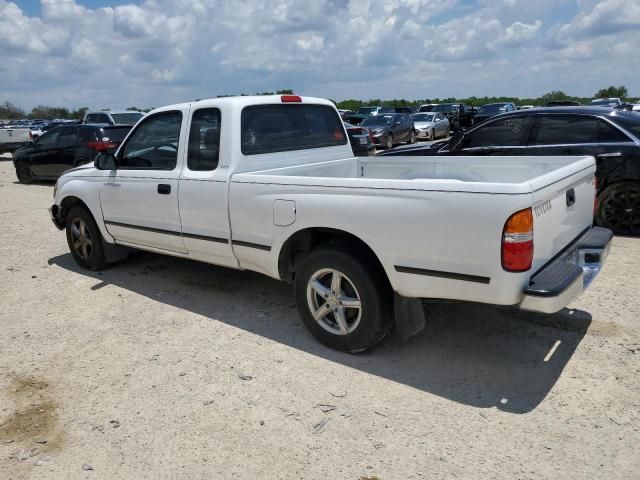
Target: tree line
[9,111]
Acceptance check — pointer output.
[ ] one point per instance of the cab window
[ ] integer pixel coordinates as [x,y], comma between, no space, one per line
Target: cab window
[204,140]
[280,128]
[154,144]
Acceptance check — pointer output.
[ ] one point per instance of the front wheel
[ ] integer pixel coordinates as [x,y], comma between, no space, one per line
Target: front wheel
[389,141]
[23,172]
[412,137]
[342,299]
[84,239]
[619,208]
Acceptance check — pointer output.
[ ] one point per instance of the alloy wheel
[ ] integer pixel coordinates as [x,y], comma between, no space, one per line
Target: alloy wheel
[81,239]
[334,301]
[621,210]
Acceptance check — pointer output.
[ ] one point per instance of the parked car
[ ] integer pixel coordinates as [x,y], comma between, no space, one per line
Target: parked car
[361,240]
[563,103]
[361,140]
[389,129]
[524,107]
[362,113]
[11,139]
[611,136]
[427,107]
[492,109]
[606,102]
[65,147]
[430,125]
[344,113]
[460,115]
[113,117]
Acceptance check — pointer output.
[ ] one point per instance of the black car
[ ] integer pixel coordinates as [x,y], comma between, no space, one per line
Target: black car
[361,140]
[65,147]
[611,136]
[389,129]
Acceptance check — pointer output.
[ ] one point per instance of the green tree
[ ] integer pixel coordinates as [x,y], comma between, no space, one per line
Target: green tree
[9,111]
[554,95]
[615,92]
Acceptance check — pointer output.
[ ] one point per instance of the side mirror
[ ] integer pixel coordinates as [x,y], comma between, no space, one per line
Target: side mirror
[105,161]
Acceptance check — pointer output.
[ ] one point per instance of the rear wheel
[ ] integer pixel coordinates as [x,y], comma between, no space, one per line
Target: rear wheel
[619,208]
[23,172]
[342,299]
[389,141]
[84,239]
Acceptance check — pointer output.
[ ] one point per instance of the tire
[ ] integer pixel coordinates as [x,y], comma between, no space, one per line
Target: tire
[23,172]
[360,282]
[433,133]
[448,134]
[619,208]
[84,239]
[412,137]
[389,143]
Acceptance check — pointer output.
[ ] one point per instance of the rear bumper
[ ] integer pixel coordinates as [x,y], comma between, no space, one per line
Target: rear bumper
[562,280]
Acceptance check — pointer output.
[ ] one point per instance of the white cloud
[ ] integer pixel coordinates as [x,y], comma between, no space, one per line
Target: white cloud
[163,51]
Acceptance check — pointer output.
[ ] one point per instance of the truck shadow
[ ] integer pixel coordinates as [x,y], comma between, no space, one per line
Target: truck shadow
[474,354]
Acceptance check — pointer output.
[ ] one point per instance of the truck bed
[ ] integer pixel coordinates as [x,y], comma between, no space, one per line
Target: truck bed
[430,214]
[508,174]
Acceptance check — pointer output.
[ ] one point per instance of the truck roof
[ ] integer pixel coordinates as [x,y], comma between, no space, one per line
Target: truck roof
[245,101]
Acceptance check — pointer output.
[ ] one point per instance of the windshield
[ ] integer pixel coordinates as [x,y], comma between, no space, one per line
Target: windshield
[124,118]
[378,120]
[423,117]
[492,109]
[604,102]
[445,107]
[426,108]
[367,110]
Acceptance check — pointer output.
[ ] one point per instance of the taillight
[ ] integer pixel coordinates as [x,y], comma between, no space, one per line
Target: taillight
[517,242]
[101,146]
[290,99]
[30,135]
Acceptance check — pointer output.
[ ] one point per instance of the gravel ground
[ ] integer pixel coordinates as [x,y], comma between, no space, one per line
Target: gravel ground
[165,368]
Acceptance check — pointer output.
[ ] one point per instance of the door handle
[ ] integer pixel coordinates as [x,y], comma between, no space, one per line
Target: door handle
[571,197]
[609,155]
[164,189]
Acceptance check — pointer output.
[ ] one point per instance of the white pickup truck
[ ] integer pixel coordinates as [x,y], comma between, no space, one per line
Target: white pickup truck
[12,138]
[270,184]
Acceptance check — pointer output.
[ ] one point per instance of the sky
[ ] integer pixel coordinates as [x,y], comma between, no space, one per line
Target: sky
[149,53]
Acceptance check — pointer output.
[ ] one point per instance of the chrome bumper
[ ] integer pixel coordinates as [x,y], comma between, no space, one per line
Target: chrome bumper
[564,279]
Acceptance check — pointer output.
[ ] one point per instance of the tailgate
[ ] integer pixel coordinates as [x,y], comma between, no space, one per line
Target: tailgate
[562,208]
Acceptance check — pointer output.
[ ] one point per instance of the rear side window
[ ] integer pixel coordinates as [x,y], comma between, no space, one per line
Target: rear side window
[609,134]
[506,132]
[204,140]
[566,130]
[68,136]
[280,128]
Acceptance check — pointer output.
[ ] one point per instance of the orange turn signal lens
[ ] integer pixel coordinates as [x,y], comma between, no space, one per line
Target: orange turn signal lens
[517,242]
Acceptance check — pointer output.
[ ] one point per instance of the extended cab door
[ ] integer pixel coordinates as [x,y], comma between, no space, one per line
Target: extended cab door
[203,191]
[139,199]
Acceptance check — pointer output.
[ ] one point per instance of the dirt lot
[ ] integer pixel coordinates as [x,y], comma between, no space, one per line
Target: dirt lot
[165,368]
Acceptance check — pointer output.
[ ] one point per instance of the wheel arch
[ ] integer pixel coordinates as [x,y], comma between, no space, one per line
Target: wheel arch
[299,244]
